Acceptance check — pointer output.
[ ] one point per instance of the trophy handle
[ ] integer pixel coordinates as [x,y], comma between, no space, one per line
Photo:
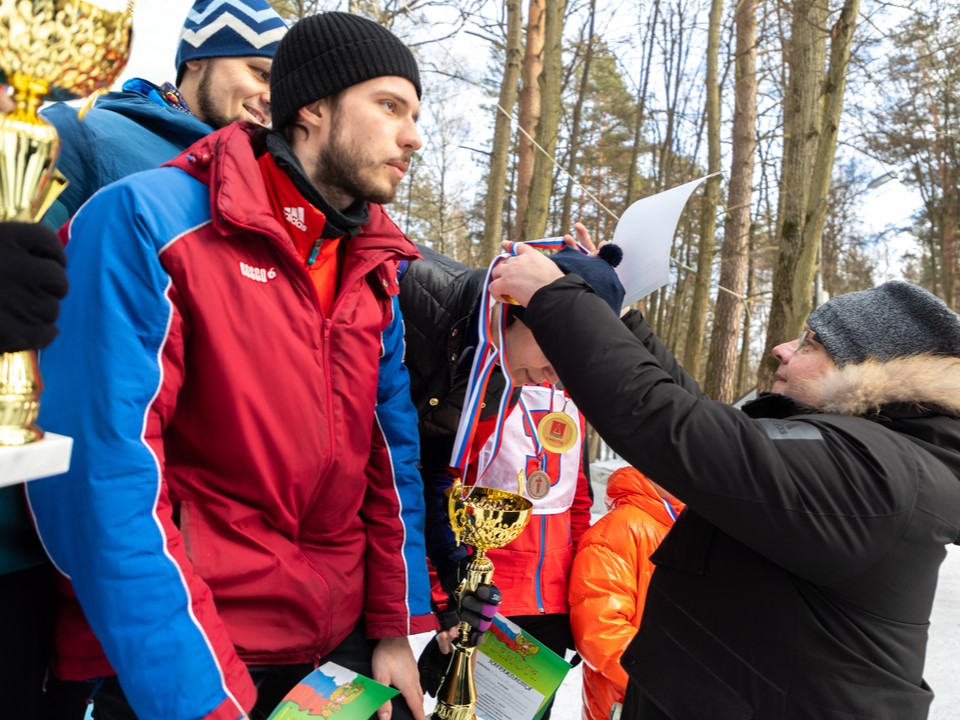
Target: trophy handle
[455,509]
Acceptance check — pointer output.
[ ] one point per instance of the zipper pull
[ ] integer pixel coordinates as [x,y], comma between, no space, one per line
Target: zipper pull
[314,252]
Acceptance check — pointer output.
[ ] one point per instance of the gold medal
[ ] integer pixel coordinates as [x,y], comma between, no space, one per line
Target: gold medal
[538,484]
[557,432]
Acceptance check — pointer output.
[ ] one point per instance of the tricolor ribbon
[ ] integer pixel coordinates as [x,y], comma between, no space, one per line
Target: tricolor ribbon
[670,511]
[484,360]
[554,243]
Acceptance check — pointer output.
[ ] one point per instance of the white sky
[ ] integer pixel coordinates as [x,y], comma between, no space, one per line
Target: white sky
[156,27]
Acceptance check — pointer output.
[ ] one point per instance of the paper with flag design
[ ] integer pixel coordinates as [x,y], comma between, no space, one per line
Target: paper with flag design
[332,691]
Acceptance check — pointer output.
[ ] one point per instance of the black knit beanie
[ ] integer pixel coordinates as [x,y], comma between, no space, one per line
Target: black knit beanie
[329,52]
[896,319]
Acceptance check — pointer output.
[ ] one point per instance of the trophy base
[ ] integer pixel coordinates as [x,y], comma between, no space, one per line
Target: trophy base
[50,456]
[13,435]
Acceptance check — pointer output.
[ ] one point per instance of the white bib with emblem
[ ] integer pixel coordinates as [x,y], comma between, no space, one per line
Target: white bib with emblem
[518,450]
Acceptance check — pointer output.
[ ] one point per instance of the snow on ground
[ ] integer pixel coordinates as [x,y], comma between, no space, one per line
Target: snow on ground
[943,651]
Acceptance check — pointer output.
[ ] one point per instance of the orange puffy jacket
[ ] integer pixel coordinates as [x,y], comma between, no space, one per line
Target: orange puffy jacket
[608,584]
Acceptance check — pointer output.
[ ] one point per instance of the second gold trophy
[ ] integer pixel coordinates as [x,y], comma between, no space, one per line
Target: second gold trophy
[484,518]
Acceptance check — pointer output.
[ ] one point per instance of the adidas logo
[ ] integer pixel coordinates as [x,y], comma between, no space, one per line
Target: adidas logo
[294,216]
[257,273]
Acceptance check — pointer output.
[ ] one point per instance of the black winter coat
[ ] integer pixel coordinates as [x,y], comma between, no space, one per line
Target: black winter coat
[440,299]
[799,581]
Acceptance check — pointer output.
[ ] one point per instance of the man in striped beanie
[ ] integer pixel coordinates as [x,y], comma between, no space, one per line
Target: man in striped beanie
[223,61]
[224,44]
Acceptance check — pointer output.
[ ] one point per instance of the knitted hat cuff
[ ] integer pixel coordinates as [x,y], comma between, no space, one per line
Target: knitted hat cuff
[228,28]
[597,270]
[327,53]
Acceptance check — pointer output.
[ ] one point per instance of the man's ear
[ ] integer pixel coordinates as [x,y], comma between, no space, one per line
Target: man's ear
[195,65]
[188,79]
[313,115]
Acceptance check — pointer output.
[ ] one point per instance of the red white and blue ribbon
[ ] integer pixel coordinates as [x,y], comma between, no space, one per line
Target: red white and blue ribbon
[484,359]
[670,511]
[554,243]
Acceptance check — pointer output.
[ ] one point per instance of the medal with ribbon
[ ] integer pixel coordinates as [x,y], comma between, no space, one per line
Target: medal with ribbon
[559,432]
[538,482]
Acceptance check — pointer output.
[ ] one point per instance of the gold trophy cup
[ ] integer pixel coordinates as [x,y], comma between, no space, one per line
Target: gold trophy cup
[80,48]
[486,518]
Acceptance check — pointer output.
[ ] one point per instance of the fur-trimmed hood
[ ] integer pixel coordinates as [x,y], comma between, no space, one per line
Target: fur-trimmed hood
[916,396]
[929,383]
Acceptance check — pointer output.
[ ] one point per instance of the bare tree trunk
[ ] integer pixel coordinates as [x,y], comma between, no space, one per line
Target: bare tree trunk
[793,272]
[674,311]
[743,366]
[943,217]
[841,39]
[653,307]
[693,347]
[500,157]
[551,89]
[575,136]
[642,87]
[665,158]
[721,378]
[529,105]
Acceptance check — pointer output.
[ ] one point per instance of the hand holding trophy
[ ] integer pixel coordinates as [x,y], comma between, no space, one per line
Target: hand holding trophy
[484,518]
[78,47]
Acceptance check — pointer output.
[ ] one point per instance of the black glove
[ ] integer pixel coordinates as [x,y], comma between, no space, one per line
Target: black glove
[32,282]
[476,608]
[433,666]
[469,609]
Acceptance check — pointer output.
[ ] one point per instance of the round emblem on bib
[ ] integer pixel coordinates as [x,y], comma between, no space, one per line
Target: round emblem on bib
[557,432]
[538,484]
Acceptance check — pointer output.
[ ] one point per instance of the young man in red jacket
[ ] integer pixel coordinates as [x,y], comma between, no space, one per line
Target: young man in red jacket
[244,501]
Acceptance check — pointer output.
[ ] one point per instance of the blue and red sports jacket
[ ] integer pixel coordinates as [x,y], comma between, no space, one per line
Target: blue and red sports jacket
[244,482]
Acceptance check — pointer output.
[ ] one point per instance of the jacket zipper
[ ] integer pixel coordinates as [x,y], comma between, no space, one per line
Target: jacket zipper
[543,542]
[314,251]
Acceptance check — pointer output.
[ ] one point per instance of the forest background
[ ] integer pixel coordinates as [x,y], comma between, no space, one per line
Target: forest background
[540,113]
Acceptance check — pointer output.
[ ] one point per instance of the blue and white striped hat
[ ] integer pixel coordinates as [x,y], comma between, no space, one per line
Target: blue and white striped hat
[229,28]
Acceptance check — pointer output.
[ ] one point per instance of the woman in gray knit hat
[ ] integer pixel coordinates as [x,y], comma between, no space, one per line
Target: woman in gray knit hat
[798,582]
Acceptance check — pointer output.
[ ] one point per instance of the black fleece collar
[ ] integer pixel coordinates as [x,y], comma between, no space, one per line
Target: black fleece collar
[345,223]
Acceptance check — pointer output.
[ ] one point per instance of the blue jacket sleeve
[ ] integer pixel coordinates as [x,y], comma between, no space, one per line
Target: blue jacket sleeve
[442,548]
[111,381]
[78,162]
[397,422]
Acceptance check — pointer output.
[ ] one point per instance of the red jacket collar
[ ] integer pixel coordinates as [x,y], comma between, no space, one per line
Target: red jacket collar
[226,161]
